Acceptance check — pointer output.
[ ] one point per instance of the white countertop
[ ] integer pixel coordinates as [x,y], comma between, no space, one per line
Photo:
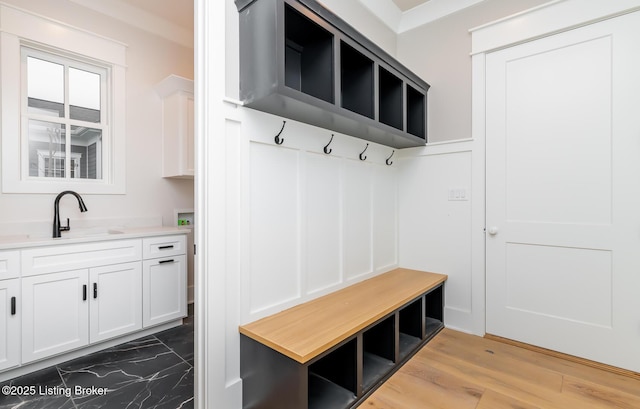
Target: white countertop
[19,241]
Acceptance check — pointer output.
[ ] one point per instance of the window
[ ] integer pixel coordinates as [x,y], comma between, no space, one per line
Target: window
[60,95]
[62,107]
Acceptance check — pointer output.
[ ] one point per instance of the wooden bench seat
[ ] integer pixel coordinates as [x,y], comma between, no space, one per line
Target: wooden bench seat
[331,352]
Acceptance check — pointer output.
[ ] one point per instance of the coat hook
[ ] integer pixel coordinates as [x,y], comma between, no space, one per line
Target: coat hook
[326,149]
[362,157]
[277,139]
[388,161]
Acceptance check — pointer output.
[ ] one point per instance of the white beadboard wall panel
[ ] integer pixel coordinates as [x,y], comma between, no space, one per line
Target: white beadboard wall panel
[358,218]
[385,217]
[275,225]
[233,231]
[435,232]
[323,211]
[317,222]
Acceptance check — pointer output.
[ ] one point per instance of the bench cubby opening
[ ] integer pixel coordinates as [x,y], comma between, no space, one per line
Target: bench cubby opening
[434,306]
[410,327]
[333,378]
[378,351]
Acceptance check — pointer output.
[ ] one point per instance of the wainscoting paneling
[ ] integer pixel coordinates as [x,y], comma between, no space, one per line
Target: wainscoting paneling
[358,219]
[435,230]
[275,225]
[317,222]
[323,238]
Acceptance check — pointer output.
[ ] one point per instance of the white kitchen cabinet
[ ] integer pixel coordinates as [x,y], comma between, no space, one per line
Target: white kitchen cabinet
[164,279]
[115,307]
[55,316]
[60,298]
[177,127]
[164,290]
[9,323]
[68,310]
[10,309]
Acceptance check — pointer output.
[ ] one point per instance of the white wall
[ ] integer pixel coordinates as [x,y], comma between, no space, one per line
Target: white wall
[149,59]
[439,52]
[360,18]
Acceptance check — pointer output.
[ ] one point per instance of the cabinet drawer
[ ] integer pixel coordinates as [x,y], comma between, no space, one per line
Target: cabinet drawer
[163,246]
[67,257]
[9,264]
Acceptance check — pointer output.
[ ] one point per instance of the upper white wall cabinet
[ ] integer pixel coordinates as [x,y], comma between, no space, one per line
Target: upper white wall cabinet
[301,61]
[177,127]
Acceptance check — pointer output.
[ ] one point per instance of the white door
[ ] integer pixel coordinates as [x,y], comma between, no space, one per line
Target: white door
[116,300]
[55,314]
[164,290]
[563,192]
[9,323]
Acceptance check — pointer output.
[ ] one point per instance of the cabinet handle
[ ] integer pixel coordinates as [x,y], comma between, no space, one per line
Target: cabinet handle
[165,247]
[13,305]
[95,290]
[84,292]
[166,261]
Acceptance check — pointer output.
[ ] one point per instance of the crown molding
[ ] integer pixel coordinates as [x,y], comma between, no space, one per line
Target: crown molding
[400,22]
[141,19]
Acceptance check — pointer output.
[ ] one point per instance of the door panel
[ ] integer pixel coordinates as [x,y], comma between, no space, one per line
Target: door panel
[55,314]
[563,158]
[116,300]
[164,291]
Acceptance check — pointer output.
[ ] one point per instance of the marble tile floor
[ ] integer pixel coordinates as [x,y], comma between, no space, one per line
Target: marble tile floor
[150,372]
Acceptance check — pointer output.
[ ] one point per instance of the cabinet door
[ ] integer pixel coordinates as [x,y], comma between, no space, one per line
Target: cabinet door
[55,314]
[9,323]
[164,290]
[116,300]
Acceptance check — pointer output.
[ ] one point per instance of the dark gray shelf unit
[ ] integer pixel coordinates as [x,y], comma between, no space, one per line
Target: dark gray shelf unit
[344,376]
[300,61]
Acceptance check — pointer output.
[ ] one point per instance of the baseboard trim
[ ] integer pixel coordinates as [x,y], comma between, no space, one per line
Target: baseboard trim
[566,357]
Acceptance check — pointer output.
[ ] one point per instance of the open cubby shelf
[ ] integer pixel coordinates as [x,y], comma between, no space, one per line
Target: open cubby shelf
[356,81]
[300,61]
[390,99]
[326,394]
[345,347]
[416,112]
[308,57]
[378,347]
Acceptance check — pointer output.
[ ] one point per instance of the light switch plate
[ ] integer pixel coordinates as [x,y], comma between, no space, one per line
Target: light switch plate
[458,194]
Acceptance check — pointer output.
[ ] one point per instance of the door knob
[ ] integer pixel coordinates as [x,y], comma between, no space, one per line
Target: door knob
[493,230]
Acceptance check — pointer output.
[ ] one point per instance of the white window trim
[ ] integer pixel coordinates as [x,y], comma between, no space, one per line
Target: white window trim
[30,50]
[18,26]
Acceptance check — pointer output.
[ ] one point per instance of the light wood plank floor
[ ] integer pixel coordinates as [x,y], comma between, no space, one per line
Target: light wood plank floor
[460,371]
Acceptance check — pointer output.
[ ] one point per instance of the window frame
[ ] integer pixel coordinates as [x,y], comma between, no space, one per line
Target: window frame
[20,28]
[31,51]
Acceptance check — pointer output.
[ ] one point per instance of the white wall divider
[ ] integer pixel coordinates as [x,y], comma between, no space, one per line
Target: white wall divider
[440,228]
